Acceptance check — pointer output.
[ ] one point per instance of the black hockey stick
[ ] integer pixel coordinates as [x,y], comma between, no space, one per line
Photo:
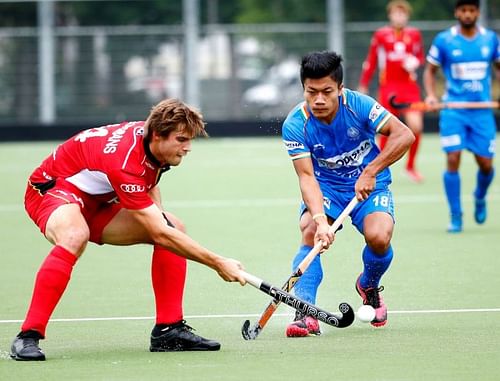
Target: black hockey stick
[345,318]
[251,333]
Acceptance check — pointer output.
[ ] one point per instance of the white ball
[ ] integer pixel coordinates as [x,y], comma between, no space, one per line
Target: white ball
[366,313]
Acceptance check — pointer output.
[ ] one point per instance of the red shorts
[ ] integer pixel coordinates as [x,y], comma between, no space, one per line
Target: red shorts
[404,92]
[41,204]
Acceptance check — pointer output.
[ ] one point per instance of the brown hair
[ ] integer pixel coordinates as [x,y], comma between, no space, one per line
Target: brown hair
[173,115]
[403,4]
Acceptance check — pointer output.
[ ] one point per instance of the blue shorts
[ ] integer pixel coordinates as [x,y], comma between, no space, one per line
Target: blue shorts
[474,130]
[334,202]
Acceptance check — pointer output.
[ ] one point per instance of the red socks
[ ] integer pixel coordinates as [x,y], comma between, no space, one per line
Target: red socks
[50,283]
[168,273]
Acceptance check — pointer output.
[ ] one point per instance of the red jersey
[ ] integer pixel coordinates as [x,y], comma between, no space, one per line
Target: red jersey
[388,50]
[111,163]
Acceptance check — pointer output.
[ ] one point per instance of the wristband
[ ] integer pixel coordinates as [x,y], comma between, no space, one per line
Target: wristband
[317,215]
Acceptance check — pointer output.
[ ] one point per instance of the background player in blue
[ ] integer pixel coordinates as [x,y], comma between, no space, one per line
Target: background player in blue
[331,140]
[465,53]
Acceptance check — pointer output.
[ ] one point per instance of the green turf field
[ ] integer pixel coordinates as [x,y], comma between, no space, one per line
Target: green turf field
[239,197]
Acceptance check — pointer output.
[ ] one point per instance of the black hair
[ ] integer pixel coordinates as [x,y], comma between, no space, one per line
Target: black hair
[459,3]
[321,64]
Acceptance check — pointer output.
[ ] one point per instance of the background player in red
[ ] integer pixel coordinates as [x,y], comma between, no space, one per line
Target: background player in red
[101,186]
[397,51]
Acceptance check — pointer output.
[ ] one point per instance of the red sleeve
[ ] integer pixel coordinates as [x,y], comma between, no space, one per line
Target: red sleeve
[370,62]
[130,189]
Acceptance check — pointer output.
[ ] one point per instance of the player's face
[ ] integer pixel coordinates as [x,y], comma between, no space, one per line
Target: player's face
[467,16]
[171,149]
[322,97]
[398,17]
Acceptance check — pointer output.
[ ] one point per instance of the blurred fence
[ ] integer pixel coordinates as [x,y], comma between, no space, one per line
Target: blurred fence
[109,74]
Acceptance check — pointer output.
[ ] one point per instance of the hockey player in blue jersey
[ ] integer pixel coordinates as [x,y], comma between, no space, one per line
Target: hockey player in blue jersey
[465,53]
[331,141]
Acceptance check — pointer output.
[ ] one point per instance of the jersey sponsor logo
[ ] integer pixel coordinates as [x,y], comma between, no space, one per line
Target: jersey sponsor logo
[114,139]
[93,132]
[347,159]
[132,188]
[469,71]
[293,145]
[375,112]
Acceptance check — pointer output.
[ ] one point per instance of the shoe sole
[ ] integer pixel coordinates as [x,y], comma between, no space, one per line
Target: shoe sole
[19,358]
[192,349]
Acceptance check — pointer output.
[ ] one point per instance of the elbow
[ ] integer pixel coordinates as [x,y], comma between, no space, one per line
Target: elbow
[410,138]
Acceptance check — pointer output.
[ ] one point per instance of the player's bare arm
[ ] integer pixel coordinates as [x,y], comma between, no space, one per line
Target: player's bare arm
[313,198]
[429,79]
[400,138]
[173,239]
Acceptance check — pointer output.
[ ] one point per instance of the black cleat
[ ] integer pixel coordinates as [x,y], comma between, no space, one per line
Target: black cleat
[25,347]
[178,337]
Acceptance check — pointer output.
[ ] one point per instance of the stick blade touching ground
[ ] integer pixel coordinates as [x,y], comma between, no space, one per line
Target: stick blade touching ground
[250,333]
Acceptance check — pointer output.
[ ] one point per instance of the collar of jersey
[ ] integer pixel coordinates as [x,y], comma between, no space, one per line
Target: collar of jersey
[151,157]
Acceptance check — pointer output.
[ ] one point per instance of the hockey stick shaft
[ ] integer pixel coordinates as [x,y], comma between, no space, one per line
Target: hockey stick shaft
[329,318]
[424,107]
[301,268]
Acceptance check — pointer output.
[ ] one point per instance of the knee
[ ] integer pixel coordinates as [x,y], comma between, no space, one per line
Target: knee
[74,239]
[379,243]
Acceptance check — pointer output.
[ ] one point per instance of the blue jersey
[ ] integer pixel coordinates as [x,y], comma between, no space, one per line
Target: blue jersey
[341,150]
[466,63]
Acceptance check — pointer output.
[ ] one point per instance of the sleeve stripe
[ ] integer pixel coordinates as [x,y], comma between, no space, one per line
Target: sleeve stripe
[433,61]
[383,121]
[301,155]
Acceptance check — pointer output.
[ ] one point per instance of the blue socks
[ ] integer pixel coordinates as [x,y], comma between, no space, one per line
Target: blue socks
[375,265]
[307,286]
[452,188]
[483,182]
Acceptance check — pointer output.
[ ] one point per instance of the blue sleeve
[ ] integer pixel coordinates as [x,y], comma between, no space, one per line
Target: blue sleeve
[294,138]
[371,113]
[435,55]
[496,48]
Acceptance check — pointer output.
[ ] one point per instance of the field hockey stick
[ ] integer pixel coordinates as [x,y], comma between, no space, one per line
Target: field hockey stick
[424,107]
[345,318]
[251,333]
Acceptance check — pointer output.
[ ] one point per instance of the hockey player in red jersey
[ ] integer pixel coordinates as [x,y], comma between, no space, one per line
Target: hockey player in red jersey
[101,186]
[397,51]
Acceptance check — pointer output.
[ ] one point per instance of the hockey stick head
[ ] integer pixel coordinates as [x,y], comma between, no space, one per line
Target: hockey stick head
[347,315]
[250,333]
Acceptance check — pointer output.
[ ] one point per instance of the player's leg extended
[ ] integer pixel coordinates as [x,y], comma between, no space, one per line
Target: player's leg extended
[375,220]
[307,286]
[414,120]
[168,274]
[484,177]
[67,229]
[481,141]
[452,187]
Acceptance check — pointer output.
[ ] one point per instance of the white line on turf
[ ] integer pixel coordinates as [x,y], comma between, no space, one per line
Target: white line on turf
[239,316]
